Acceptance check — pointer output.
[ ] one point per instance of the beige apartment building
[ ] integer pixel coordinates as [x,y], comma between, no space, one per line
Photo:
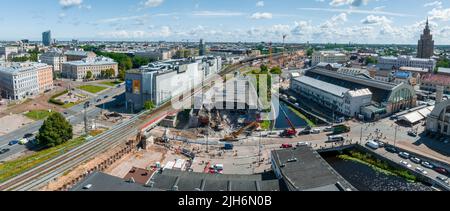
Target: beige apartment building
[78,70]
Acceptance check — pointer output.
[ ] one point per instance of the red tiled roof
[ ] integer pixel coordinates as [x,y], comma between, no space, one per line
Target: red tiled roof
[436,79]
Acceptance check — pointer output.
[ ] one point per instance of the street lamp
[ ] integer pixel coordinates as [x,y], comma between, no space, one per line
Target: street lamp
[86,105]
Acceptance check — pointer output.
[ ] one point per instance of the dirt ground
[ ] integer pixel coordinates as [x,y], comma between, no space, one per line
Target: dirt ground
[12,122]
[143,159]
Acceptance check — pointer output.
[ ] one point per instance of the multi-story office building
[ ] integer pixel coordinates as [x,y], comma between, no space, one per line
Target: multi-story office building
[328,57]
[8,52]
[53,58]
[391,63]
[160,81]
[47,38]
[387,98]
[79,55]
[202,48]
[158,55]
[425,47]
[78,69]
[22,80]
[340,99]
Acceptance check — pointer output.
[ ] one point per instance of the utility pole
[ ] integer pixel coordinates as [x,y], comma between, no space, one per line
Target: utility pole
[361,135]
[395,136]
[86,130]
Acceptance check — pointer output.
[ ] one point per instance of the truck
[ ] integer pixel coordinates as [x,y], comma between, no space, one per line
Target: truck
[228,146]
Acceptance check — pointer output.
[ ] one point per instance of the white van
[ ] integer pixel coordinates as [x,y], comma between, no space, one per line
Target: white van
[372,145]
[315,131]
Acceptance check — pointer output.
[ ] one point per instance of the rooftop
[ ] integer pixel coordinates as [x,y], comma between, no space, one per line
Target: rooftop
[321,85]
[403,57]
[93,61]
[169,180]
[309,172]
[79,53]
[15,67]
[103,182]
[444,70]
[436,79]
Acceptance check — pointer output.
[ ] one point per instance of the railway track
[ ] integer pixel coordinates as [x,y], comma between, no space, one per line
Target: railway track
[40,175]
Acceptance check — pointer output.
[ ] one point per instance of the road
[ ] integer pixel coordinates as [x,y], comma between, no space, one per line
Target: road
[40,175]
[74,115]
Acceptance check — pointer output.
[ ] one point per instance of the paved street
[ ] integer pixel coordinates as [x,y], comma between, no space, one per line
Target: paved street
[73,114]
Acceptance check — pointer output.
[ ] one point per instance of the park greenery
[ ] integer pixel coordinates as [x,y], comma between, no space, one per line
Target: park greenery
[12,168]
[149,105]
[55,131]
[378,165]
[38,114]
[92,89]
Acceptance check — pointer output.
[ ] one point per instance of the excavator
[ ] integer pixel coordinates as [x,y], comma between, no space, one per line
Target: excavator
[291,132]
[234,136]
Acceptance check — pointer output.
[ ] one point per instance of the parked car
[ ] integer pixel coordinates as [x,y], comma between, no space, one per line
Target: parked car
[28,135]
[441,170]
[412,133]
[301,144]
[442,179]
[415,160]
[13,142]
[328,129]
[418,169]
[405,164]
[404,155]
[391,149]
[315,131]
[286,146]
[3,151]
[427,165]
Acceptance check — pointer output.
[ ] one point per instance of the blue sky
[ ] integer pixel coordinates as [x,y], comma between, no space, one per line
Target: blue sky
[342,21]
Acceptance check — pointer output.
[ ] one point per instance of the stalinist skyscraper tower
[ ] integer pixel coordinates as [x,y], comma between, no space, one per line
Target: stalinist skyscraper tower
[425,49]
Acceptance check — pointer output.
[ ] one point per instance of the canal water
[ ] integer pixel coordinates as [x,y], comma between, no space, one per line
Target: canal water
[281,122]
[365,178]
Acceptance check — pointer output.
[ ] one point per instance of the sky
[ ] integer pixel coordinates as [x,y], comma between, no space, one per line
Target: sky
[315,21]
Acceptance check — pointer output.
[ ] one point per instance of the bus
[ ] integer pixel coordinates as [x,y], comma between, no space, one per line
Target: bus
[337,138]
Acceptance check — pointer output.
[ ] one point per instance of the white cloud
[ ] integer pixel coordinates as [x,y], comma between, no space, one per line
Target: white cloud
[335,20]
[217,13]
[260,4]
[152,3]
[264,15]
[354,3]
[376,20]
[433,4]
[440,14]
[70,3]
[356,11]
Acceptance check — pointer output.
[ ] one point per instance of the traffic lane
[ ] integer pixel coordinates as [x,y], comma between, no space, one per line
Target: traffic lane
[396,158]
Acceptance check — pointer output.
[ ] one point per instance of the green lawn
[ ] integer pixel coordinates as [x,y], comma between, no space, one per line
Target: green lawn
[69,105]
[92,89]
[310,123]
[38,114]
[15,167]
[111,83]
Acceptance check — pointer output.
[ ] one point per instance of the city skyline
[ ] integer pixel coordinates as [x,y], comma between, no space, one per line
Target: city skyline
[316,21]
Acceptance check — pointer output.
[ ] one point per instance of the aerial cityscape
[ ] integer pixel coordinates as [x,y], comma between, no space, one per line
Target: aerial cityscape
[226,95]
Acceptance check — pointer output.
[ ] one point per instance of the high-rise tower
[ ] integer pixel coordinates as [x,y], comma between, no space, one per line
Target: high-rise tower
[47,38]
[425,49]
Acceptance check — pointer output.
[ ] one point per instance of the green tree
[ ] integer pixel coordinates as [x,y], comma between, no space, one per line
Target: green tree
[56,130]
[109,73]
[309,52]
[371,60]
[264,69]
[139,61]
[149,105]
[276,71]
[88,75]
[122,75]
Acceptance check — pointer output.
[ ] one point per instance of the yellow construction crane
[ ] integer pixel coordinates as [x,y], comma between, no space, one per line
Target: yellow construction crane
[235,135]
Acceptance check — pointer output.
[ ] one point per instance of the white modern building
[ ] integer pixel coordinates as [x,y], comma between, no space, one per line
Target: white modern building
[391,62]
[55,59]
[340,99]
[22,80]
[328,57]
[8,51]
[160,81]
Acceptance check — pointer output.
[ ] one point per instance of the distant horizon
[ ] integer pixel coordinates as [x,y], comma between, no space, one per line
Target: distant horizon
[317,21]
